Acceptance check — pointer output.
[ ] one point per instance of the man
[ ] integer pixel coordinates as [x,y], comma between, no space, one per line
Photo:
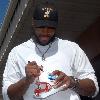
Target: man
[45,54]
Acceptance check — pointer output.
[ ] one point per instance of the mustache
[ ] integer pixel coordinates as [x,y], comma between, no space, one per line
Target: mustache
[44,34]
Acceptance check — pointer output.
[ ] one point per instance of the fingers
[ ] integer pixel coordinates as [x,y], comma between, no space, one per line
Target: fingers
[34,64]
[60,77]
[41,68]
[56,72]
[32,70]
[62,80]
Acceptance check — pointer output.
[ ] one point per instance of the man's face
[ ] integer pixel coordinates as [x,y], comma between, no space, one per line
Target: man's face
[44,34]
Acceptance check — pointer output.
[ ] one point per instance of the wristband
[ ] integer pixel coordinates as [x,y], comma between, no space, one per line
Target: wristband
[75,83]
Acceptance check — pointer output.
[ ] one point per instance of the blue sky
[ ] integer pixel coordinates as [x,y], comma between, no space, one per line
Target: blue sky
[3,8]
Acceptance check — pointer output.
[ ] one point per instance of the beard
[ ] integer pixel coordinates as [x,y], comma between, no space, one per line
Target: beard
[36,40]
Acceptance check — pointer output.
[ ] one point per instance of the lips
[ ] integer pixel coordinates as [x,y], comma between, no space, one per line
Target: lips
[44,38]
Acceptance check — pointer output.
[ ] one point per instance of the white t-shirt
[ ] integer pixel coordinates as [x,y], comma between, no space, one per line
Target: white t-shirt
[63,55]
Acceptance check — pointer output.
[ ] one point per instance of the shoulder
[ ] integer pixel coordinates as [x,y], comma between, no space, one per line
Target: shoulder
[23,46]
[68,43]
[70,46]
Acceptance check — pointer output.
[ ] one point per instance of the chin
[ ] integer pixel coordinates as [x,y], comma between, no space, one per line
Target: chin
[44,43]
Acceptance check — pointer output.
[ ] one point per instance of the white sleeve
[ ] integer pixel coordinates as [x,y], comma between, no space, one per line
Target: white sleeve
[11,73]
[83,69]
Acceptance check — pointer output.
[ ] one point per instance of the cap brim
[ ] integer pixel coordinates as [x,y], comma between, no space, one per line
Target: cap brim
[45,23]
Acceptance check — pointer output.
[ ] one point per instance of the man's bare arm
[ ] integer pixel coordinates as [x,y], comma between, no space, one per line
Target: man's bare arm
[85,87]
[17,90]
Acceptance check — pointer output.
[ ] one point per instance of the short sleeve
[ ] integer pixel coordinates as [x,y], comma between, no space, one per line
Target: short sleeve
[11,73]
[83,68]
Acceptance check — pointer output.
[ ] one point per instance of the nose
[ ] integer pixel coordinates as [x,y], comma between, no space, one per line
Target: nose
[46,30]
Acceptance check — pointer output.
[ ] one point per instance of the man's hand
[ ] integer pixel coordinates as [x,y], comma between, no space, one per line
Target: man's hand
[62,80]
[18,89]
[32,71]
[84,87]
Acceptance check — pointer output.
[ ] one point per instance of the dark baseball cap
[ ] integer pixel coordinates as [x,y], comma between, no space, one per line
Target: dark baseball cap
[45,15]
